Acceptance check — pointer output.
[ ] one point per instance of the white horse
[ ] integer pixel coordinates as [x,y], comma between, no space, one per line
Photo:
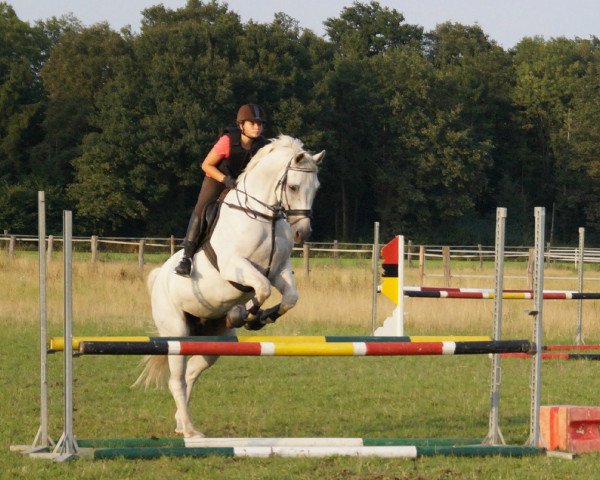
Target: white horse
[250,246]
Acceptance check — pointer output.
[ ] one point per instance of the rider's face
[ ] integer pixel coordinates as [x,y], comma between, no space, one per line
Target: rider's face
[252,129]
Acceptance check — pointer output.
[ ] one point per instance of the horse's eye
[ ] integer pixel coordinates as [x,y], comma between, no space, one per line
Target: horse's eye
[294,188]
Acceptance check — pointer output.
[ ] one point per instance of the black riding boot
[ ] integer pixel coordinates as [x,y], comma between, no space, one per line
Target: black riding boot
[190,244]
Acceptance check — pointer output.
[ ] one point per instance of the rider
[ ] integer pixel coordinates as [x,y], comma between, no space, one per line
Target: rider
[228,157]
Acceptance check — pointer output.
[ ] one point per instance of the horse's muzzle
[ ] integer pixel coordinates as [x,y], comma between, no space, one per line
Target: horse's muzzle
[301,230]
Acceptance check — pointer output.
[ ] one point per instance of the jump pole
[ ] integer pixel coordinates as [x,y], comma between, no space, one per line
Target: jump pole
[304,349]
[56,344]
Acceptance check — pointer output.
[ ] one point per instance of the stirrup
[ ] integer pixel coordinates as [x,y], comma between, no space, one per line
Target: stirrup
[185,267]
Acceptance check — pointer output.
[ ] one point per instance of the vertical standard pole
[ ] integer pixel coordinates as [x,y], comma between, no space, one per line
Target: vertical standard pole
[579,338]
[42,440]
[375,270]
[494,436]
[67,446]
[536,363]
[399,310]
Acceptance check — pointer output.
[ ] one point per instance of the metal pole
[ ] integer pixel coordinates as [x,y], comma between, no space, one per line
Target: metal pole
[579,338]
[494,436]
[375,270]
[66,447]
[536,313]
[42,441]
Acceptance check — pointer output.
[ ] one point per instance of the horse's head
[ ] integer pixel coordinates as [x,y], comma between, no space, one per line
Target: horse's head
[299,187]
[283,176]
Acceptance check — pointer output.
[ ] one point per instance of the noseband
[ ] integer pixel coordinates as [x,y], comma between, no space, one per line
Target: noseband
[291,212]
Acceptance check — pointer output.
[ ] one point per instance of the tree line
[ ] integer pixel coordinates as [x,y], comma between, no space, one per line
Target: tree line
[427,132]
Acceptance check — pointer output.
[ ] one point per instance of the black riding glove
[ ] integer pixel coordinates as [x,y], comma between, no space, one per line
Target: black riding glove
[229,182]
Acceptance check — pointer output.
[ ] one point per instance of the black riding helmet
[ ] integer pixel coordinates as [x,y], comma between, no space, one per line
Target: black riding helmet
[251,112]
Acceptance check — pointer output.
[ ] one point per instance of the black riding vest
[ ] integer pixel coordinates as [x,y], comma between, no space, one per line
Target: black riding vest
[238,156]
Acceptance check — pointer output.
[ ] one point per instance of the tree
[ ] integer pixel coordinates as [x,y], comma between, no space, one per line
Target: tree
[368,29]
[21,94]
[556,90]
[156,118]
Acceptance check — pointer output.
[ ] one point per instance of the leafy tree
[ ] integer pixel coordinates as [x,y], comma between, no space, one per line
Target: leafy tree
[369,29]
[21,94]
[556,90]
[157,117]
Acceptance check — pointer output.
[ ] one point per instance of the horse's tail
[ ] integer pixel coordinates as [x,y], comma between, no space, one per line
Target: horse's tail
[156,370]
[152,278]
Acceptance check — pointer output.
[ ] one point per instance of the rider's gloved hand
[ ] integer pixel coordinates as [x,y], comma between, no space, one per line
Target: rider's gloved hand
[229,182]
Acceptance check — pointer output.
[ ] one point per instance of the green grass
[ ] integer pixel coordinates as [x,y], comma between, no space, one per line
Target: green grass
[363,397]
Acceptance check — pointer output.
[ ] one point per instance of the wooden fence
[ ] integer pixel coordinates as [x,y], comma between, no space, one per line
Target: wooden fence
[333,251]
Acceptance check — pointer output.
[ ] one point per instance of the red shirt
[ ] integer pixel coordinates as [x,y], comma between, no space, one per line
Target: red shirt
[221,148]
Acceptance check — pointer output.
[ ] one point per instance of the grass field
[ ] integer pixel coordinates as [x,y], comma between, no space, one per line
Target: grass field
[346,397]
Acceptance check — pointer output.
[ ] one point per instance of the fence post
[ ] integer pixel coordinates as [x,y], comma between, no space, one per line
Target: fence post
[306,257]
[409,253]
[172,244]
[11,247]
[421,264]
[480,248]
[335,252]
[446,262]
[94,247]
[141,256]
[50,248]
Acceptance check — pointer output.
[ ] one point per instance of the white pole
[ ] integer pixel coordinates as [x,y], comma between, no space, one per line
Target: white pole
[399,310]
[494,436]
[579,338]
[536,363]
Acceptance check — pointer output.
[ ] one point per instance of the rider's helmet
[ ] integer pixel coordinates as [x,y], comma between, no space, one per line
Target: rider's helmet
[251,112]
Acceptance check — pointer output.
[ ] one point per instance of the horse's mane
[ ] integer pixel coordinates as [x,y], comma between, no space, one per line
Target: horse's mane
[283,141]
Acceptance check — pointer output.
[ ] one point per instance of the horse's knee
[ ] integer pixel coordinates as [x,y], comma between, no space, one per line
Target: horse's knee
[263,291]
[289,300]
[196,365]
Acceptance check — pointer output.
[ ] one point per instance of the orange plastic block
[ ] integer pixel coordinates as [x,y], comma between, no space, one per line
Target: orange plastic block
[570,428]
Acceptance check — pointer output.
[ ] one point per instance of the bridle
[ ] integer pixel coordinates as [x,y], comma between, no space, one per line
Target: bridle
[281,209]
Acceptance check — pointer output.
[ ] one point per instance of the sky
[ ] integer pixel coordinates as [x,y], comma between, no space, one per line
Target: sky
[506,21]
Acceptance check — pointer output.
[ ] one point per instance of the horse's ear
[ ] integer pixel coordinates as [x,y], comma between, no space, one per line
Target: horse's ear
[319,156]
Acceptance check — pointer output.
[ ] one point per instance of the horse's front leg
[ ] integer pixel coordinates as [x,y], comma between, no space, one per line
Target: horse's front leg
[284,283]
[240,270]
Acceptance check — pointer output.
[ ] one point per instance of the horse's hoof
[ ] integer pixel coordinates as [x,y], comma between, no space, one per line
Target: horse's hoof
[255,324]
[236,316]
